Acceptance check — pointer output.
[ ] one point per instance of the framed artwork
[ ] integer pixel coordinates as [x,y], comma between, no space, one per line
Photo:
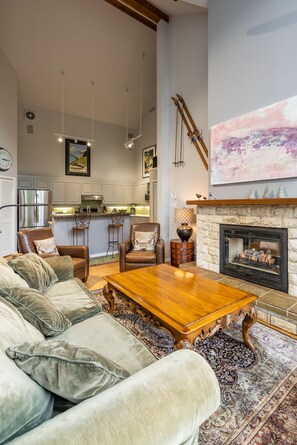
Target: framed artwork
[77,158]
[260,145]
[147,160]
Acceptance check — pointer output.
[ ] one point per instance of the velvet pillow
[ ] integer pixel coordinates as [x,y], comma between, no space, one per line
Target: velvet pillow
[35,271]
[37,310]
[8,277]
[143,240]
[46,246]
[72,372]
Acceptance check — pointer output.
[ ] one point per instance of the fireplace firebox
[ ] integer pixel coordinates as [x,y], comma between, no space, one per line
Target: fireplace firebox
[255,254]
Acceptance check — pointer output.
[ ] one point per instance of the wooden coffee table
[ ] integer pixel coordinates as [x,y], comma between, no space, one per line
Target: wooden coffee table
[189,306]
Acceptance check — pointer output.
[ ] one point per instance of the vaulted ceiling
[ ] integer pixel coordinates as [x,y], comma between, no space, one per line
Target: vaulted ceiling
[89,40]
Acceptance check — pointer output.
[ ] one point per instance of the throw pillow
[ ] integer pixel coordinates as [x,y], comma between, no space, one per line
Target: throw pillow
[37,310]
[143,241]
[46,246]
[14,329]
[8,277]
[33,269]
[72,372]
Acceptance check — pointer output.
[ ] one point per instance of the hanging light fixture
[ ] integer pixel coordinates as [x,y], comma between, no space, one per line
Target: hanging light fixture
[62,135]
[130,142]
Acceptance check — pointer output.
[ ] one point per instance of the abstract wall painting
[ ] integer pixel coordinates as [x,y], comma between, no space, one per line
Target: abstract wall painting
[256,146]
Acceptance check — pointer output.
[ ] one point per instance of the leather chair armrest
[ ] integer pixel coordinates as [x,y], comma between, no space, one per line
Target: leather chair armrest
[75,251]
[160,251]
[123,249]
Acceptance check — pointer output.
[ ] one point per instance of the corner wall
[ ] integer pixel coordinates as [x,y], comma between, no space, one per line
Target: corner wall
[182,68]
[251,65]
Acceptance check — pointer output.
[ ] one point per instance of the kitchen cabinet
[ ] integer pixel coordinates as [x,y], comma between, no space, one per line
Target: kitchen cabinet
[107,191]
[153,196]
[128,194]
[139,219]
[91,188]
[139,191]
[74,192]
[59,192]
[42,184]
[25,183]
[118,194]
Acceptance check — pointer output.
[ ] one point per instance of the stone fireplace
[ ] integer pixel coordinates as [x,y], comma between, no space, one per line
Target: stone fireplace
[278,213]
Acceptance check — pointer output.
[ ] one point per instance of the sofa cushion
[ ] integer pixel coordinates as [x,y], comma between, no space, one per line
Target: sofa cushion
[23,403]
[46,246]
[112,340]
[75,373]
[74,300]
[36,309]
[8,277]
[14,329]
[143,240]
[33,269]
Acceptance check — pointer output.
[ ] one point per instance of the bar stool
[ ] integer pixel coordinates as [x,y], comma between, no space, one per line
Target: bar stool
[82,224]
[115,233]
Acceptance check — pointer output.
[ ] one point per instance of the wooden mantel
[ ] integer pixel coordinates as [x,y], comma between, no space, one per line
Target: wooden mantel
[243,202]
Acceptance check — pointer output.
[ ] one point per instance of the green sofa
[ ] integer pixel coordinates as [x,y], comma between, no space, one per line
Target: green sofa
[157,402]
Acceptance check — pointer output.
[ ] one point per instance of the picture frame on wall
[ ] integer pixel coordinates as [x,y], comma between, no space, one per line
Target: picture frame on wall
[148,154]
[77,158]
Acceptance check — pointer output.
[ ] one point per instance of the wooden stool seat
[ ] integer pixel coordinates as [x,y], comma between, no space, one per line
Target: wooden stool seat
[115,234]
[82,224]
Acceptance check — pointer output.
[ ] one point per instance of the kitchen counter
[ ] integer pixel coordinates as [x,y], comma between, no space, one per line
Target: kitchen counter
[93,215]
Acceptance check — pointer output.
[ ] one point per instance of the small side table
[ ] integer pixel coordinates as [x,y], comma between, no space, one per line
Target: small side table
[181,251]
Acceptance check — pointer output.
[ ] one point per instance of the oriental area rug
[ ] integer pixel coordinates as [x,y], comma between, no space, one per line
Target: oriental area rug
[258,389]
[104,259]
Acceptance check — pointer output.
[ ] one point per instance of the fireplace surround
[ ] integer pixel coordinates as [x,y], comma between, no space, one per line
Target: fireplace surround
[255,254]
[278,213]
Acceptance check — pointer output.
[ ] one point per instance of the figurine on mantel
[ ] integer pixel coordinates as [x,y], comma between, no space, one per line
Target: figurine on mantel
[254,194]
[268,193]
[200,196]
[282,192]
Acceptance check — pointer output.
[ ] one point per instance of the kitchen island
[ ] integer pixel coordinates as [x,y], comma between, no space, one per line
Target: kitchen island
[62,224]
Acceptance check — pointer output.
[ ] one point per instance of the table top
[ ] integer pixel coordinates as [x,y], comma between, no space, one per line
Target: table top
[181,299]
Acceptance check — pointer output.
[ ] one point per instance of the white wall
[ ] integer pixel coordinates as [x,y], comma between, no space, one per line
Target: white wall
[8,112]
[251,65]
[8,140]
[186,74]
[40,154]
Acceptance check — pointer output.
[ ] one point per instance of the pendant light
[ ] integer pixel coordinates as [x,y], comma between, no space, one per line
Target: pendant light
[130,142]
[61,136]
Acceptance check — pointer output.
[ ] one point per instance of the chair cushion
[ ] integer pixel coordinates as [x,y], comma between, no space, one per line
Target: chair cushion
[37,310]
[74,373]
[143,240]
[8,277]
[141,256]
[78,263]
[33,269]
[46,246]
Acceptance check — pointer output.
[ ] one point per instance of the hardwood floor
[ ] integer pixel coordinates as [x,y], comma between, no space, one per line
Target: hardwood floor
[95,280]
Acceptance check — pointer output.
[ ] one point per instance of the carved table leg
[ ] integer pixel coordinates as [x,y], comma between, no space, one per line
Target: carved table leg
[248,321]
[183,343]
[108,294]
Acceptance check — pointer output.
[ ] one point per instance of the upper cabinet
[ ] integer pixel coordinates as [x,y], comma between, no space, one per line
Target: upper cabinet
[69,190]
[139,191]
[59,192]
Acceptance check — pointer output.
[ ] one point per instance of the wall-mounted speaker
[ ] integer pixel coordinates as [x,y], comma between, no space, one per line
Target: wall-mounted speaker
[29,115]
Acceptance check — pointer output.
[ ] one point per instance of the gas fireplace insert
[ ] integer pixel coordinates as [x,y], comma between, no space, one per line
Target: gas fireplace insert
[255,254]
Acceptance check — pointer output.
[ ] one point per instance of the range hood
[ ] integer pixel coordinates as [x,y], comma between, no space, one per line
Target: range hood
[92,198]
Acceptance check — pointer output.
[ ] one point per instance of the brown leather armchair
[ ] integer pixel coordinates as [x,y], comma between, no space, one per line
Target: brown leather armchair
[134,259]
[79,254]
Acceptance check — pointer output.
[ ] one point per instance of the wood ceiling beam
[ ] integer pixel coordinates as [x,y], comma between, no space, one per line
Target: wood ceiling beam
[141,10]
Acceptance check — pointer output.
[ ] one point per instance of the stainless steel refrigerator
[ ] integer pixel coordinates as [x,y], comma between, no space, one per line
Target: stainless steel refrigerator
[35,208]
